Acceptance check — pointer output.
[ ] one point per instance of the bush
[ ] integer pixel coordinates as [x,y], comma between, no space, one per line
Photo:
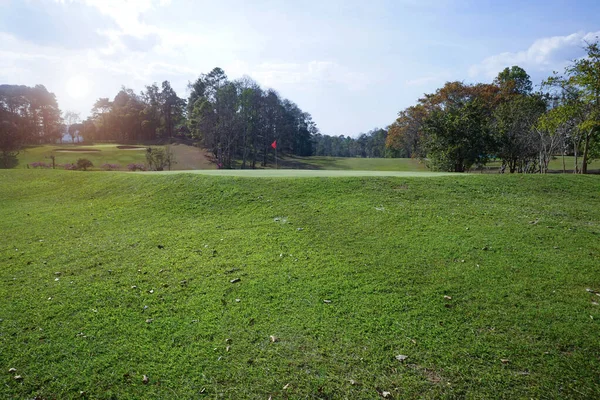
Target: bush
[84,164]
[136,167]
[69,166]
[110,167]
[40,165]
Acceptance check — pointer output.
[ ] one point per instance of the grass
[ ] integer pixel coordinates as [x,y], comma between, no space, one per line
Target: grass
[103,154]
[186,157]
[107,277]
[301,173]
[350,163]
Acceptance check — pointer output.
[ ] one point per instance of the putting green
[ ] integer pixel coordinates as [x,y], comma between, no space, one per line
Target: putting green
[300,173]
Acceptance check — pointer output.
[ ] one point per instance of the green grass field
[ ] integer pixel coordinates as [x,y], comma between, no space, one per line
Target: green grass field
[481,281]
[186,157]
[351,163]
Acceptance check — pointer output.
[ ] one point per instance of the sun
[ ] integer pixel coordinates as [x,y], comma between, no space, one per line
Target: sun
[78,87]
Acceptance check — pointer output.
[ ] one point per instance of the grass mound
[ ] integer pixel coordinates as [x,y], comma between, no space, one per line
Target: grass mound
[191,286]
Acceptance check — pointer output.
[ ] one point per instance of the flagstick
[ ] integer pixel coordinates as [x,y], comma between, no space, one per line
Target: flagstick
[276,167]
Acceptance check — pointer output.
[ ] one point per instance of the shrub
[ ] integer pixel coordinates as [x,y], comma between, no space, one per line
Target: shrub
[136,167]
[84,164]
[40,165]
[69,166]
[110,167]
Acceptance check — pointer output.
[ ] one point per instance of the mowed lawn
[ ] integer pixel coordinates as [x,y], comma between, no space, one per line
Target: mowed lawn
[354,163]
[186,157]
[298,288]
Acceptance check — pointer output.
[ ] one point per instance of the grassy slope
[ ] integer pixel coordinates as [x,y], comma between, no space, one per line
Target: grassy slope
[384,251]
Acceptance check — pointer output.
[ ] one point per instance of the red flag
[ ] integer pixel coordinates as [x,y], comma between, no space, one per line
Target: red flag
[274,144]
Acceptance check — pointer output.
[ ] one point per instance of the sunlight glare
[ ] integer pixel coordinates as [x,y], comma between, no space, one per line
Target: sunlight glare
[78,87]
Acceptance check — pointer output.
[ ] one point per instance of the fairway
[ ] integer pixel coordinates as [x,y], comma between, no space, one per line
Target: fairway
[180,285]
[301,173]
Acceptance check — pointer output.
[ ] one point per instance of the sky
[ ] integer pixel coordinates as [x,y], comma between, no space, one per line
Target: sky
[353,65]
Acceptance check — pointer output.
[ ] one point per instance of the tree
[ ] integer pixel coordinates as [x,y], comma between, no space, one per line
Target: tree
[406,134]
[172,109]
[101,108]
[72,121]
[514,80]
[83,164]
[514,132]
[10,143]
[580,101]
[158,158]
[457,137]
[456,125]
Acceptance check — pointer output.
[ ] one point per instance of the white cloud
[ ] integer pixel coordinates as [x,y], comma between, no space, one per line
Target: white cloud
[544,55]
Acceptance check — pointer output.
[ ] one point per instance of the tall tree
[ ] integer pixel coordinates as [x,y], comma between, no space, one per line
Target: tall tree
[514,80]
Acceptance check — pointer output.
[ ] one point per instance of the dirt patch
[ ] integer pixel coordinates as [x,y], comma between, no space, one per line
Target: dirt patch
[131,148]
[432,376]
[82,150]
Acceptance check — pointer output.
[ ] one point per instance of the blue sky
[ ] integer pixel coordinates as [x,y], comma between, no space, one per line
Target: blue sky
[351,64]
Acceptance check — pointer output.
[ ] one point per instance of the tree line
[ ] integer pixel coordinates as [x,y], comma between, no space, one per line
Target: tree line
[462,126]
[458,127]
[27,115]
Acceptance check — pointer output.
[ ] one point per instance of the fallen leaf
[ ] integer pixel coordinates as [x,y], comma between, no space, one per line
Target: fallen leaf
[18,378]
[151,291]
[228,340]
[504,360]
[401,357]
[145,380]
[10,371]
[286,386]
[149,320]
[327,301]
[386,395]
[235,280]
[352,382]
[274,339]
[448,297]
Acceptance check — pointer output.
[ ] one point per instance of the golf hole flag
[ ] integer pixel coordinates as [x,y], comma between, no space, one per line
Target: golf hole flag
[274,144]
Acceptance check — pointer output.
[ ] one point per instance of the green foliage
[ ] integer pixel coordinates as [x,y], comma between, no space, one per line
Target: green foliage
[239,120]
[514,123]
[515,255]
[159,158]
[458,137]
[10,143]
[514,80]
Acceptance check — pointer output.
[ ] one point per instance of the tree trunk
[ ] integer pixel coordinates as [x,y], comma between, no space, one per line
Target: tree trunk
[584,160]
[576,162]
